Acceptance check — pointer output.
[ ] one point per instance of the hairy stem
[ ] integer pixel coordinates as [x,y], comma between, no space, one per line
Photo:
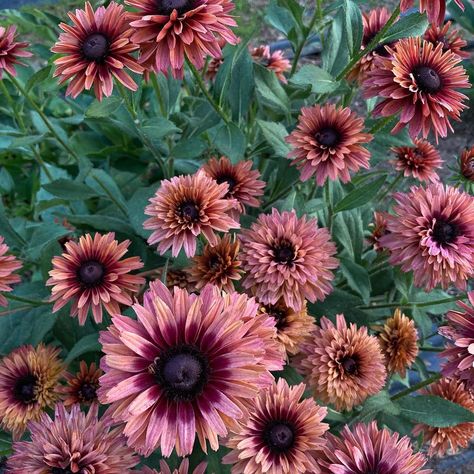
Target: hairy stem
[416,387]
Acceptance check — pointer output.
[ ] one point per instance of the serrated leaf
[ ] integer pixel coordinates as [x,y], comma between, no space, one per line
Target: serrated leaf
[354,26]
[414,24]
[360,195]
[70,190]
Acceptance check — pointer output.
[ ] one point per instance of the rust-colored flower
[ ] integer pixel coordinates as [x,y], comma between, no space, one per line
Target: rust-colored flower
[182,469]
[288,259]
[82,387]
[432,233]
[467,163]
[420,82]
[283,434]
[398,341]
[451,40]
[73,442]
[328,143]
[91,274]
[168,31]
[343,365]
[293,327]
[11,50]
[218,265]
[451,438]
[96,49]
[186,206]
[244,183]
[29,381]
[8,265]
[176,277]
[215,63]
[378,229]
[366,449]
[435,9]
[275,61]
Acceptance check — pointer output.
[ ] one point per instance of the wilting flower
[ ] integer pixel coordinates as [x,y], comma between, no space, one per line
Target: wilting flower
[73,442]
[29,379]
[90,274]
[373,22]
[419,161]
[186,206]
[183,468]
[459,354]
[172,30]
[82,387]
[367,449]
[244,185]
[218,265]
[421,83]
[8,265]
[398,341]
[275,61]
[343,365]
[283,433]
[378,229]
[435,9]
[287,259]
[451,438]
[293,327]
[327,143]
[432,234]
[451,40]
[176,277]
[467,163]
[96,50]
[11,50]
[189,365]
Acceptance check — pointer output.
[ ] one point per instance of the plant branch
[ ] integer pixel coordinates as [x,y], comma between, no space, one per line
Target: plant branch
[416,387]
[414,303]
[301,44]
[10,296]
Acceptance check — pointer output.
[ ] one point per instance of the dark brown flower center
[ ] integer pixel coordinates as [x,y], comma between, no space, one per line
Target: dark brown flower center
[95,47]
[60,470]
[91,273]
[25,388]
[189,211]
[230,180]
[277,313]
[279,436]
[88,392]
[328,137]
[427,79]
[349,365]
[284,253]
[166,7]
[182,372]
[3,464]
[444,232]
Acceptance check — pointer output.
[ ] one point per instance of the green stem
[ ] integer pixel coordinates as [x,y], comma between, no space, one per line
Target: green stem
[431,349]
[302,43]
[376,268]
[390,188]
[414,303]
[416,387]
[204,90]
[159,95]
[110,195]
[12,297]
[327,198]
[380,124]
[371,46]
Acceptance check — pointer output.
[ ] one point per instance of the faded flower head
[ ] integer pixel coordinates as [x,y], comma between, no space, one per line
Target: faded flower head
[275,61]
[91,274]
[283,433]
[82,387]
[96,49]
[343,365]
[451,40]
[328,143]
[378,229]
[186,206]
[435,9]
[182,469]
[8,265]
[467,163]
[288,259]
[11,50]
[432,233]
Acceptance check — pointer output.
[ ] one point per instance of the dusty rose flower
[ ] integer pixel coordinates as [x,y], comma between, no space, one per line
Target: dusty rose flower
[293,327]
[432,233]
[91,274]
[275,61]
[378,229]
[244,185]
[328,143]
[343,365]
[366,449]
[189,365]
[82,387]
[186,206]
[435,9]
[215,63]
[11,50]
[451,40]
[442,440]
[283,434]
[421,83]
[8,265]
[398,341]
[168,31]
[467,163]
[73,442]
[459,354]
[287,259]
[218,265]
[29,380]
[96,49]
[183,468]
[419,161]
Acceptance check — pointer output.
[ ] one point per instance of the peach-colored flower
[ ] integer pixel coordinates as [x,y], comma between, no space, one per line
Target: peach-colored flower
[467,163]
[275,61]
[82,387]
[11,50]
[451,40]
[8,265]
[378,229]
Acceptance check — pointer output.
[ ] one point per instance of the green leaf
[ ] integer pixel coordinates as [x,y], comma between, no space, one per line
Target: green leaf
[136,207]
[70,190]
[414,24]
[275,133]
[269,90]
[103,183]
[278,17]
[464,18]
[188,148]
[377,403]
[360,195]
[6,181]
[230,141]
[12,238]
[357,277]
[321,81]
[434,411]
[38,77]
[42,236]
[336,57]
[106,108]
[157,128]
[100,222]
[89,343]
[354,26]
